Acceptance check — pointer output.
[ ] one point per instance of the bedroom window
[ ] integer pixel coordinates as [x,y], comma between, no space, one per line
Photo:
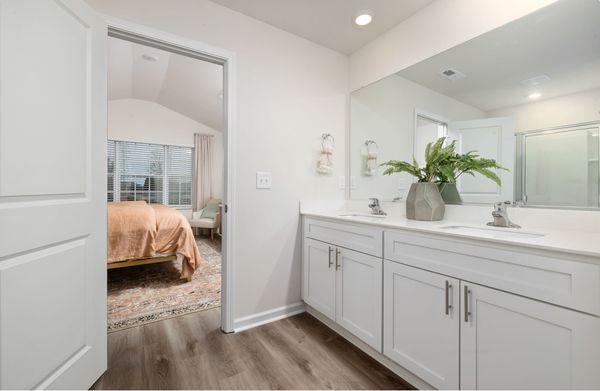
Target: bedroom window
[155,173]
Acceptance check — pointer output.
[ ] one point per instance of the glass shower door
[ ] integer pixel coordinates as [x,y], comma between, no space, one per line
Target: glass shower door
[560,167]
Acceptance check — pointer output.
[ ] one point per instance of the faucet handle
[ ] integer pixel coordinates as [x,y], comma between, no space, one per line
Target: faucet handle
[373,202]
[501,206]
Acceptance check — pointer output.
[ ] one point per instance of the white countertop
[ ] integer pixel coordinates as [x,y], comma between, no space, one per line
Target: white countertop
[584,244]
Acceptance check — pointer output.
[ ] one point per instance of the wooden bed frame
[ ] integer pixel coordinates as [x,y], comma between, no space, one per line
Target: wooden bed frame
[141,261]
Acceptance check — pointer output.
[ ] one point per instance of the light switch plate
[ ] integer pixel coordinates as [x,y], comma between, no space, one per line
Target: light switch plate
[263,180]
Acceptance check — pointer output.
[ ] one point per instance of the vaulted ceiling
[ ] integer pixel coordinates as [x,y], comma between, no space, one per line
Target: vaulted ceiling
[191,87]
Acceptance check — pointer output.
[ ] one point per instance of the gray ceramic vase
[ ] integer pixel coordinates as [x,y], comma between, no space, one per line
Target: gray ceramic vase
[450,193]
[424,202]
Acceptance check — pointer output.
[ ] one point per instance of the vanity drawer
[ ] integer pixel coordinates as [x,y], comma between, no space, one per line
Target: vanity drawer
[537,274]
[362,238]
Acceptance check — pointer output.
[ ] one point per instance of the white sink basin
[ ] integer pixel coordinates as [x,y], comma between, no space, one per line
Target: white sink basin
[493,232]
[361,215]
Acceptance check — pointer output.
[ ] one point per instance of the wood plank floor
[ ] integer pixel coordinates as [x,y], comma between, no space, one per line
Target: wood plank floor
[190,351]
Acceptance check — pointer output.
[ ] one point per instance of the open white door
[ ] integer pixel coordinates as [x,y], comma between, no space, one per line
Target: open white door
[492,138]
[52,194]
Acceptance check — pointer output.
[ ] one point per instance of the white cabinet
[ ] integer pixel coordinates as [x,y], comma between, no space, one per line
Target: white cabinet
[511,342]
[456,313]
[343,284]
[358,295]
[421,323]
[546,276]
[319,277]
[438,327]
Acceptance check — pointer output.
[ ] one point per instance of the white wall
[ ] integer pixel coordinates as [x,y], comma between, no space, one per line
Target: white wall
[385,112]
[150,122]
[563,110]
[438,27]
[289,90]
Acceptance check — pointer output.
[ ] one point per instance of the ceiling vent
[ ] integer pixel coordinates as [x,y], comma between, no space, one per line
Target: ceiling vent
[535,81]
[452,74]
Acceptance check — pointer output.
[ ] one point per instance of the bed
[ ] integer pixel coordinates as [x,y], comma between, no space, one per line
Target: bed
[141,233]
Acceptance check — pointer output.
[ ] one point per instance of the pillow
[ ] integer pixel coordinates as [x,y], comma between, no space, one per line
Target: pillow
[211,209]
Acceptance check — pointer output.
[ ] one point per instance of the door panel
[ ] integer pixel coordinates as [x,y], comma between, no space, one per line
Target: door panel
[45,88]
[492,138]
[511,342]
[319,272]
[57,340]
[359,295]
[419,334]
[52,194]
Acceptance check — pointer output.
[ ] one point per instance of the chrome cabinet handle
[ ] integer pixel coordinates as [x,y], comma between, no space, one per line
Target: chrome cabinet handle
[448,305]
[337,258]
[466,298]
[330,261]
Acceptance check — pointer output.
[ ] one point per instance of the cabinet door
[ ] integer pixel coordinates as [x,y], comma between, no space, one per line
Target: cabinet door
[512,342]
[421,323]
[319,277]
[359,295]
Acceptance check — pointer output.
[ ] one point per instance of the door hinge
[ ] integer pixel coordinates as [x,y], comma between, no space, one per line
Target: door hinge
[225,208]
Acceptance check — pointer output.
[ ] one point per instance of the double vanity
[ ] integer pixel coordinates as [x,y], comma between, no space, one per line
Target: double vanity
[458,303]
[454,304]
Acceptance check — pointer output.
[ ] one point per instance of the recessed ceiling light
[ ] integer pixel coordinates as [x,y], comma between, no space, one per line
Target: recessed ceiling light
[363,17]
[149,57]
[534,95]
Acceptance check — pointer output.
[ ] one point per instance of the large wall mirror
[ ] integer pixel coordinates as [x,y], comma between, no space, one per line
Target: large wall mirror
[526,94]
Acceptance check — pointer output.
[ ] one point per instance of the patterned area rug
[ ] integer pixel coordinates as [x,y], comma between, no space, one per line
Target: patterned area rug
[147,293]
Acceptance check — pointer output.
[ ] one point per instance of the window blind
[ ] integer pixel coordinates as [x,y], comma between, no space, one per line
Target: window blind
[154,173]
[110,168]
[179,175]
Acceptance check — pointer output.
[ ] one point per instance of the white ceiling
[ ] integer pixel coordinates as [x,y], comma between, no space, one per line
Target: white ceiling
[561,41]
[188,86]
[329,22]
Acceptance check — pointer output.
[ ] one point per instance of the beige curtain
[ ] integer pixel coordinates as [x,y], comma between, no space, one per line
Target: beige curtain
[203,170]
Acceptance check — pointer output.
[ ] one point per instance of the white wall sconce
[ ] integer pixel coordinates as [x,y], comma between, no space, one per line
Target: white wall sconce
[325,164]
[371,151]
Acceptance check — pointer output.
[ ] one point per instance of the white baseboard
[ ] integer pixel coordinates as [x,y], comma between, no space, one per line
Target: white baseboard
[408,376]
[254,320]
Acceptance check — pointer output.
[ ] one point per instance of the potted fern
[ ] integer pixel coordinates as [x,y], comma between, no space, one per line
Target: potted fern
[468,163]
[443,166]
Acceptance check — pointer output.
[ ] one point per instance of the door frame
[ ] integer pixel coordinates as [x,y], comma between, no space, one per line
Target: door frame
[137,33]
[432,117]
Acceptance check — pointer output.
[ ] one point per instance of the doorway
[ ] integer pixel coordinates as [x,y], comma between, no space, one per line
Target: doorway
[428,128]
[170,176]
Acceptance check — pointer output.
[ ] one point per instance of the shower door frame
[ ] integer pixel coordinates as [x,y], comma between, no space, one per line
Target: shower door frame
[520,195]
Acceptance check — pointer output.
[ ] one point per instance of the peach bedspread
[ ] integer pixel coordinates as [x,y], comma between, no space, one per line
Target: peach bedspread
[139,230]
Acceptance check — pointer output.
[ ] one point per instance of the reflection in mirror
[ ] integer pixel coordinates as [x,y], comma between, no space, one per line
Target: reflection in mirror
[427,129]
[559,167]
[526,94]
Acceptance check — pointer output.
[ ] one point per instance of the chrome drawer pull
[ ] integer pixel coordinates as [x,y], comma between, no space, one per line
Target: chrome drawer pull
[466,298]
[448,305]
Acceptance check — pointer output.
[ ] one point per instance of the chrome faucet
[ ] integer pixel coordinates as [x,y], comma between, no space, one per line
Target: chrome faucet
[375,207]
[500,215]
